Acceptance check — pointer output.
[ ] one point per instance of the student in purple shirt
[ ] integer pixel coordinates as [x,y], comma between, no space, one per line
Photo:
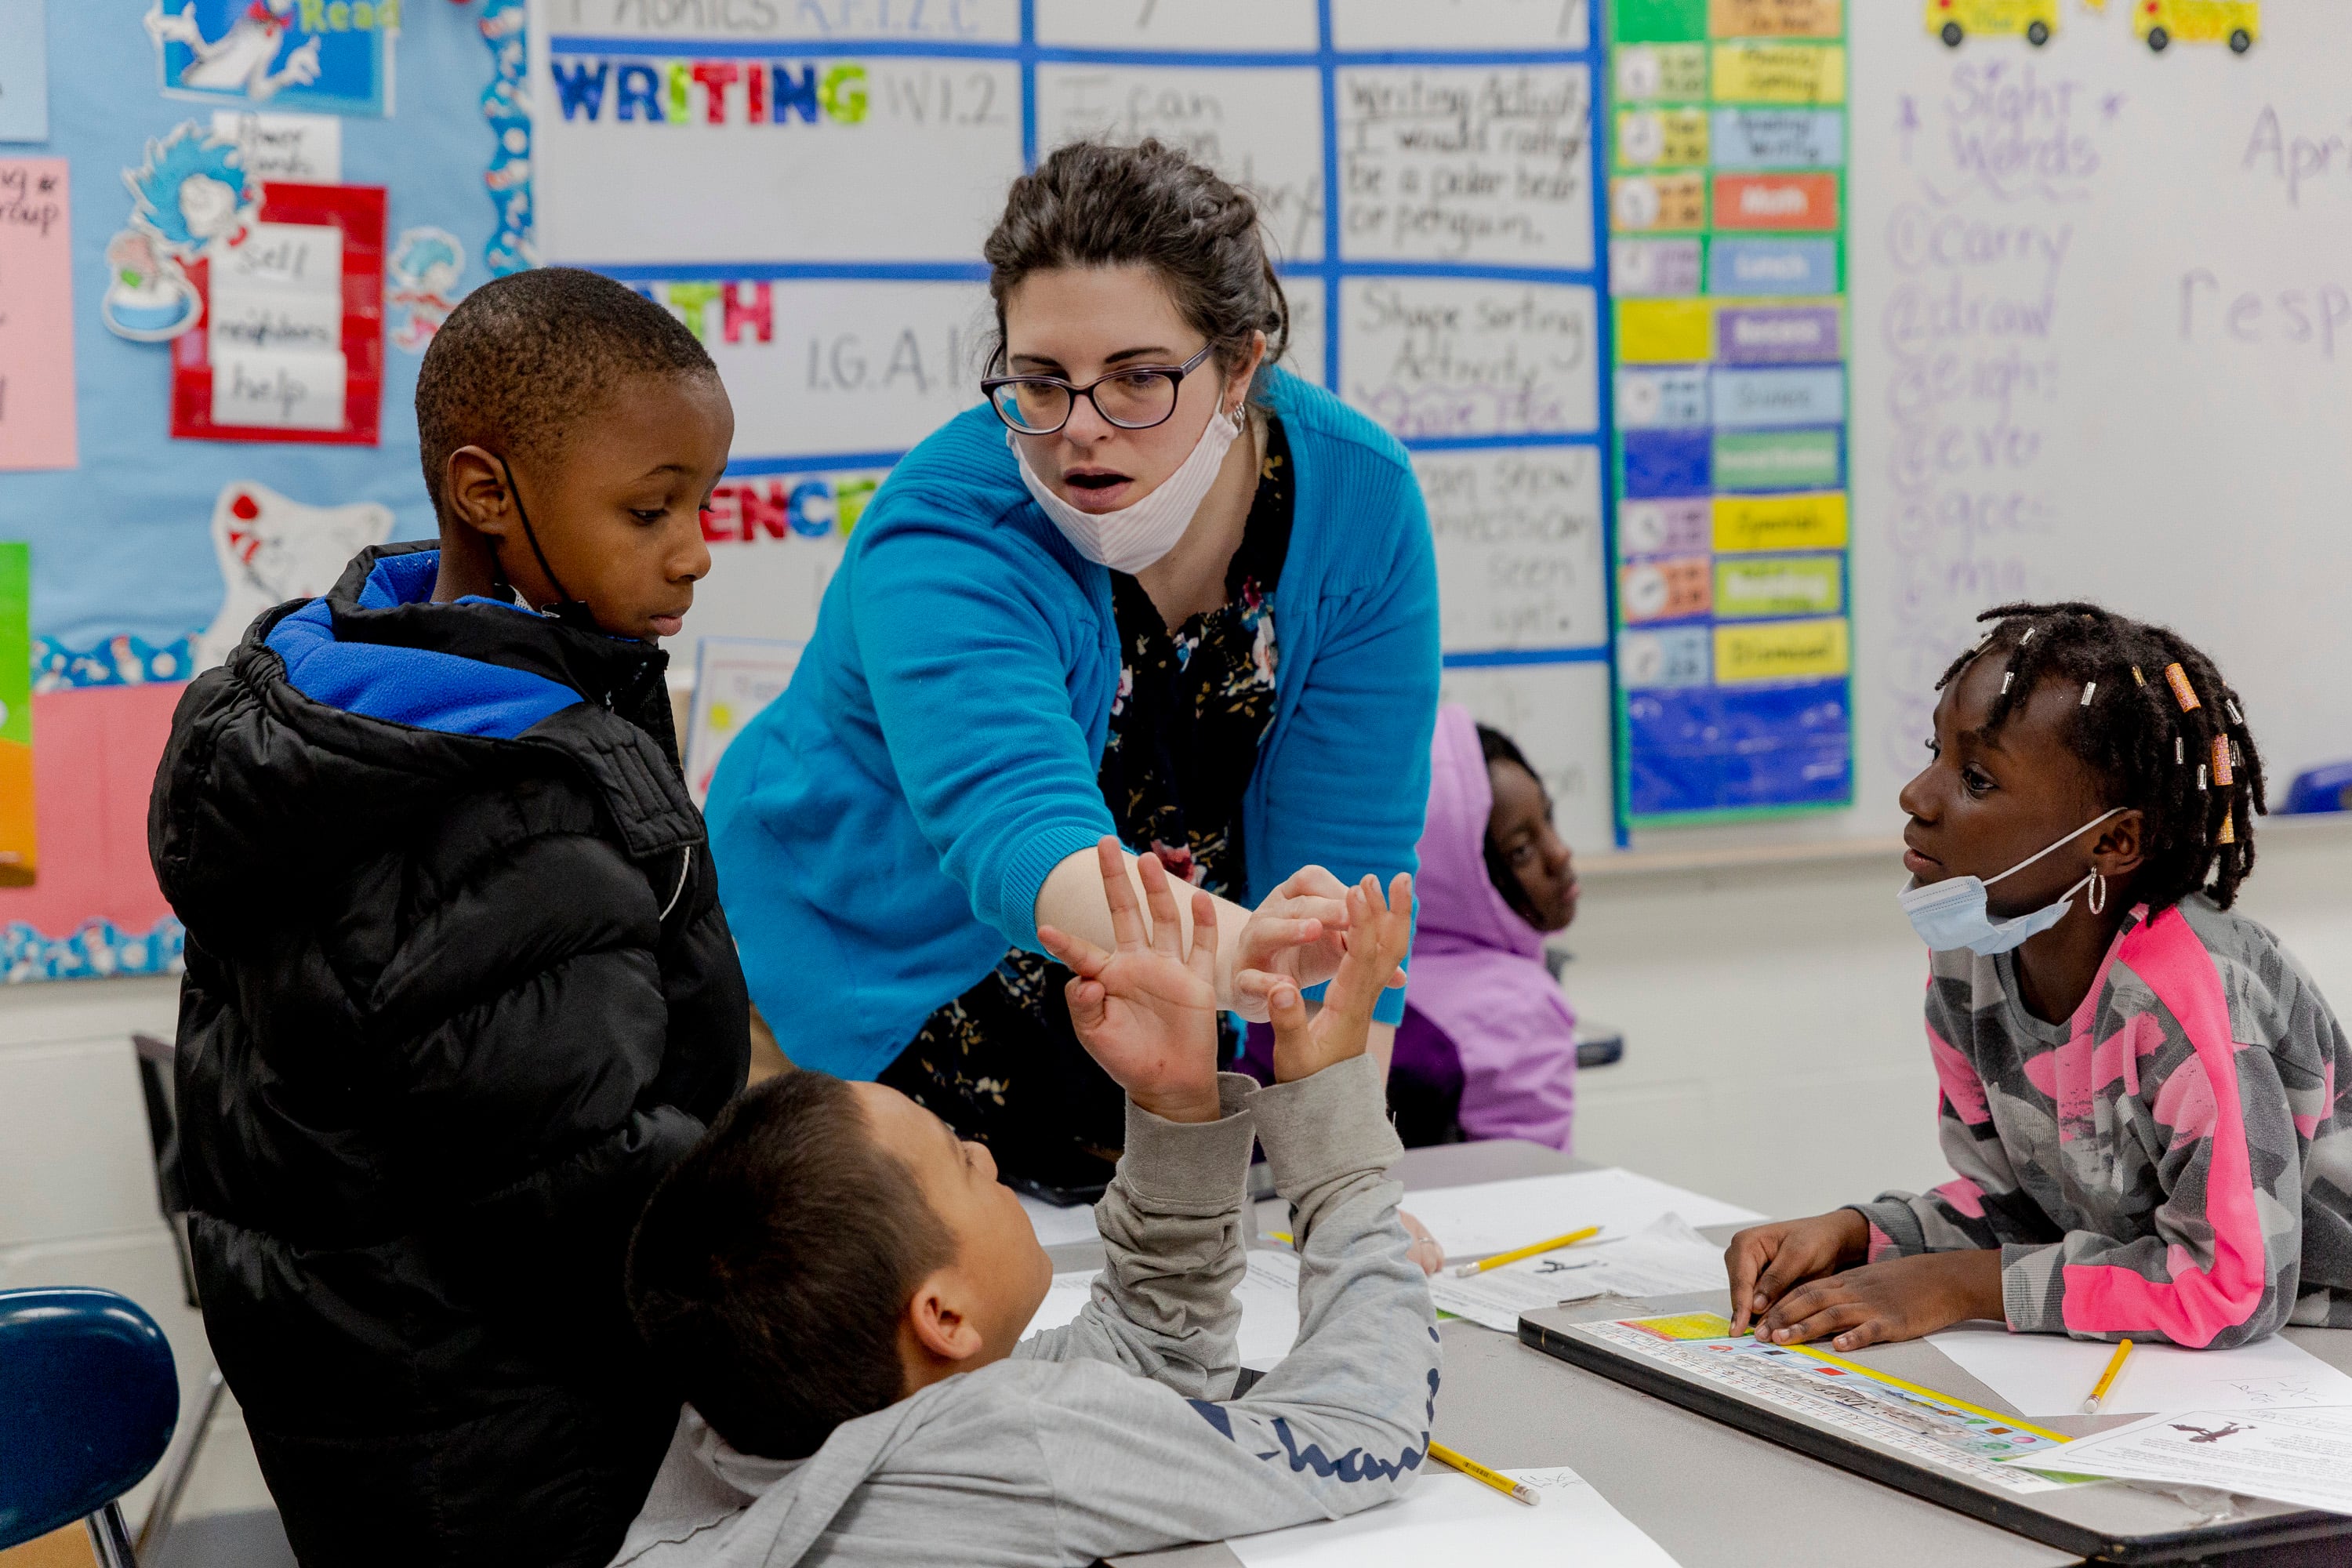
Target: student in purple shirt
[1487,1045]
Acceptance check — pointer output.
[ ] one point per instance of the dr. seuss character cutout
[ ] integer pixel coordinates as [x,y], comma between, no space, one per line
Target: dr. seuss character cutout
[333,56]
[272,549]
[191,192]
[421,285]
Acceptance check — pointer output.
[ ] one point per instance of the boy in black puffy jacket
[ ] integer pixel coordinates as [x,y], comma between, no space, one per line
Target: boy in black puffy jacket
[458,987]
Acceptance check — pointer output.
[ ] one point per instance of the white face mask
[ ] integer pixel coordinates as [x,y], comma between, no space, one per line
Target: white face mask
[1951,914]
[1134,537]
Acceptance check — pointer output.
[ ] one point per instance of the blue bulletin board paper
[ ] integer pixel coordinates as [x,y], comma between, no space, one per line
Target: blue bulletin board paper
[24,70]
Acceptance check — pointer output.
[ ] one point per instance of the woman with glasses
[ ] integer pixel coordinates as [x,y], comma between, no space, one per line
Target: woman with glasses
[1155,588]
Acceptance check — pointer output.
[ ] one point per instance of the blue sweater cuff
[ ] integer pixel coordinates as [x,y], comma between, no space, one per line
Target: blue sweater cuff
[1025,876]
[1389,1009]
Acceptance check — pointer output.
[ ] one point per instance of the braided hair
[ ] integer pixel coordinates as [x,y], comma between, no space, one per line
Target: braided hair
[2158,724]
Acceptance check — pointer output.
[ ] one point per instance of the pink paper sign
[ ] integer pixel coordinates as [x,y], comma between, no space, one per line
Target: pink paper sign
[37,359]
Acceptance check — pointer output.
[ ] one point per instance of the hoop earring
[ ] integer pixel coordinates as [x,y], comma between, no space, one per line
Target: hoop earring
[2099,900]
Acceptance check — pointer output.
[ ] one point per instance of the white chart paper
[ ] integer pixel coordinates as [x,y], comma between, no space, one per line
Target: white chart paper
[1667,1258]
[2045,1375]
[1449,1517]
[2300,1457]
[1487,1218]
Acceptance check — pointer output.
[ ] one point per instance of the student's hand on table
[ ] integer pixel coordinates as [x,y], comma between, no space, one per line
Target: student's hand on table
[1424,1249]
[1147,1013]
[1381,929]
[1898,1299]
[1765,1261]
[1296,935]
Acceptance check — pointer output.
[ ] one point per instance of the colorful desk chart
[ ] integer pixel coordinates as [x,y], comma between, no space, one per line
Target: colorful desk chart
[1727,270]
[811,193]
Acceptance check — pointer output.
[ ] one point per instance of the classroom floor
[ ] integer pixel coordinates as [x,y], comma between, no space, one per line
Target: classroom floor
[251,1539]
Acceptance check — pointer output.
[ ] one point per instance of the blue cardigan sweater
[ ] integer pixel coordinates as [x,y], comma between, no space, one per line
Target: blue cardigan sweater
[882,829]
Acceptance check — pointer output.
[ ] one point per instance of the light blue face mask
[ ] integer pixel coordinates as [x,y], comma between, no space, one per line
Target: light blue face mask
[1951,914]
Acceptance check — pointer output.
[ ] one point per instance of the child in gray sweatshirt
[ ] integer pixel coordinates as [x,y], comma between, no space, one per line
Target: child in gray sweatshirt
[825,1427]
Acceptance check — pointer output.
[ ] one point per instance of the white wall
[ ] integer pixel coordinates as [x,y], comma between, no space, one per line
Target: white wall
[1774,1057]
[78,1200]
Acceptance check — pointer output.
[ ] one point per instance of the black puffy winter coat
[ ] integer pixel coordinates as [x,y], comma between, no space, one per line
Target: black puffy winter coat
[459,991]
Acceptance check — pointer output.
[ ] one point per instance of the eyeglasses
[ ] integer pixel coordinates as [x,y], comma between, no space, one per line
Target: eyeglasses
[1135,398]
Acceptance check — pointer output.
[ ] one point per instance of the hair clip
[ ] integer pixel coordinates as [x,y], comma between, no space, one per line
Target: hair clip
[2235,717]
[2137,679]
[2090,689]
[2005,677]
[2028,636]
[2228,834]
[2200,778]
[2237,757]
[2186,693]
[2178,754]
[2221,774]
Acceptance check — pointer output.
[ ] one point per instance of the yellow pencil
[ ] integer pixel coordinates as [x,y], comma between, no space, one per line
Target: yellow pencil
[1281,1236]
[1464,1271]
[1478,1472]
[2107,1378]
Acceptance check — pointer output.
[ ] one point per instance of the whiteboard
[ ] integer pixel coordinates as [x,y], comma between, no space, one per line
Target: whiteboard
[807,187]
[2103,304]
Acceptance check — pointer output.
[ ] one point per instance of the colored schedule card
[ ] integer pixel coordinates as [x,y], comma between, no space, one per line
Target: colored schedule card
[36,364]
[24,70]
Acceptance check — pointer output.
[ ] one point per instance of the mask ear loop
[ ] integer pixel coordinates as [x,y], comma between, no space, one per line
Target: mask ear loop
[571,611]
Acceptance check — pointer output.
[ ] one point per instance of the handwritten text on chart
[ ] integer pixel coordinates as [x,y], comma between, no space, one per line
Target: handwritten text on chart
[1999,185]
[961,21]
[36,361]
[1518,537]
[1259,127]
[1441,357]
[1454,164]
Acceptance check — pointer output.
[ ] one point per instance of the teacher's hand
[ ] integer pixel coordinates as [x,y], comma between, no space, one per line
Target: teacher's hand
[1298,934]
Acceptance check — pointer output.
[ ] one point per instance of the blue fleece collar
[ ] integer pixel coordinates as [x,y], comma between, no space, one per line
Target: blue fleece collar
[422,688]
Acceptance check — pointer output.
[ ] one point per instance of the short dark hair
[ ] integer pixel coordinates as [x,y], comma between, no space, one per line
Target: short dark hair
[1094,203]
[2135,736]
[769,1267]
[523,358]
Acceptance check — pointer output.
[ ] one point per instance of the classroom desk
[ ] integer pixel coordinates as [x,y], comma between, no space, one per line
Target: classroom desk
[1713,1497]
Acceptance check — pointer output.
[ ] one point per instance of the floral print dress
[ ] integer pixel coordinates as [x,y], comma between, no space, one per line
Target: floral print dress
[1001,1063]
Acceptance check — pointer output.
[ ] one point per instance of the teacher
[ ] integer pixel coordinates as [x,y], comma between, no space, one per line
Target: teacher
[1154,587]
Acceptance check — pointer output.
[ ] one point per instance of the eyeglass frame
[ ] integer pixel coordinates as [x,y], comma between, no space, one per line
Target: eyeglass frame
[1174,373]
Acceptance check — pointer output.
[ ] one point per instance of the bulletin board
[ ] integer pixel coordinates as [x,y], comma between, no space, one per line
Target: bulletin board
[300,191]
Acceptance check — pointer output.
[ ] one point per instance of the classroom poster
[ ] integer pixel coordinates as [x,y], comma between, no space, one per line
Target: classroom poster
[19,857]
[333,56]
[1727,212]
[36,365]
[808,188]
[24,70]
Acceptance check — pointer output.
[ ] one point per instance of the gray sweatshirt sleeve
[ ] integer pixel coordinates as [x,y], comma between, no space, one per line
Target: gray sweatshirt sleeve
[1171,1223]
[1341,1425]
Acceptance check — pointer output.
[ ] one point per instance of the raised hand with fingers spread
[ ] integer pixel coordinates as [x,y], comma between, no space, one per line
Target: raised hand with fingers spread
[1380,932]
[1148,1011]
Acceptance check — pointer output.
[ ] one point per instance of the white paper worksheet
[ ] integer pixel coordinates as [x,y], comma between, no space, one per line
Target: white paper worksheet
[1666,1257]
[2301,1457]
[1268,1295]
[1056,1223]
[1449,1517]
[2049,1374]
[1487,1218]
